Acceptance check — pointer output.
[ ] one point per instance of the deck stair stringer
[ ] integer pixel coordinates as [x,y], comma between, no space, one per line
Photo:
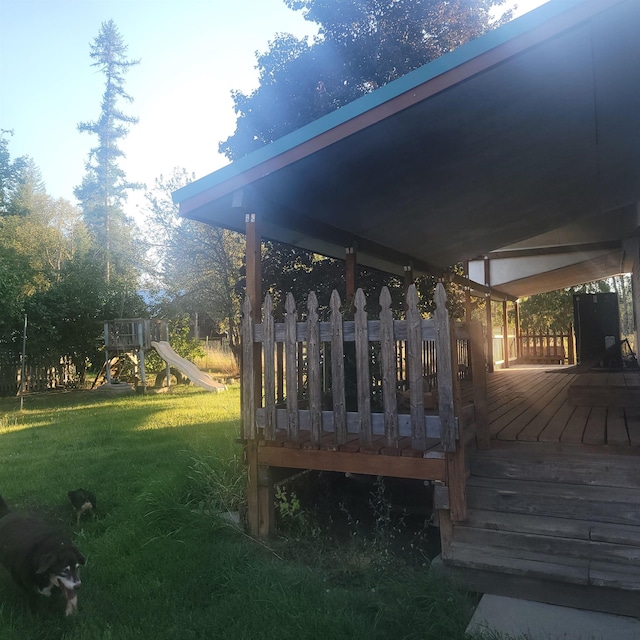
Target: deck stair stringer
[553,527]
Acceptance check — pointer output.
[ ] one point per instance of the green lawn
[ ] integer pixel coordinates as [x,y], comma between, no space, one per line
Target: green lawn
[161,562]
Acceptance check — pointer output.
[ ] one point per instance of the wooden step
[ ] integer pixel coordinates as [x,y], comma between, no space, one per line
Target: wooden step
[521,563]
[525,523]
[546,566]
[562,500]
[595,470]
[557,546]
[551,588]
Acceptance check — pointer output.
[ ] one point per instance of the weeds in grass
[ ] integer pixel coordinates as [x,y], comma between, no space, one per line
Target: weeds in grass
[8,422]
[218,485]
[296,523]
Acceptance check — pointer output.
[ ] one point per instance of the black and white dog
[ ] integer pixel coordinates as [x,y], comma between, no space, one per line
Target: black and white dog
[38,555]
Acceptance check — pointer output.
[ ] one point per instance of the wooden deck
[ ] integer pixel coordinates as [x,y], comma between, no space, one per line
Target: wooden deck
[531,404]
[554,504]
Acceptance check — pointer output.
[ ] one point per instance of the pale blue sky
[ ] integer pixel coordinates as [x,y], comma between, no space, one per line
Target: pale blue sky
[193,53]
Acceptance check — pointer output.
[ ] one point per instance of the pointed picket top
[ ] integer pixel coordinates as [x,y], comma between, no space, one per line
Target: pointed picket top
[246,307]
[335,302]
[412,297]
[440,296]
[290,303]
[312,304]
[360,302]
[385,299]
[267,307]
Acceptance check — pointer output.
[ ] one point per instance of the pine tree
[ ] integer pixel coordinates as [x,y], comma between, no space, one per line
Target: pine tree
[104,187]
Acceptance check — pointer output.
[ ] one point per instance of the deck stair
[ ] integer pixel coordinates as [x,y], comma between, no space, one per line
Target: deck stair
[553,526]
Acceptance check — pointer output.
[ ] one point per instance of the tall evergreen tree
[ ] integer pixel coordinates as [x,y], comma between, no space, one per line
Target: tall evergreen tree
[104,187]
[13,176]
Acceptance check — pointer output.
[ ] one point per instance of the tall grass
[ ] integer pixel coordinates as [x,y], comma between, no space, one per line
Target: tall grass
[217,359]
[162,562]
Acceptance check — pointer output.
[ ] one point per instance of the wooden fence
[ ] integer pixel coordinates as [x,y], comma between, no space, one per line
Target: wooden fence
[546,347]
[40,374]
[378,358]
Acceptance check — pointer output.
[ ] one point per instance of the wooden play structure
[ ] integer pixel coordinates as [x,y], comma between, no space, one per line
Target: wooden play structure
[129,338]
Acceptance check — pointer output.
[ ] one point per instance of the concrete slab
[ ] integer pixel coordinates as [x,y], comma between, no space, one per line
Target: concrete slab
[537,621]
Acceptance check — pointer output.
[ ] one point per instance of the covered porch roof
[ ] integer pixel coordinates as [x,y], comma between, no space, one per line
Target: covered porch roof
[522,146]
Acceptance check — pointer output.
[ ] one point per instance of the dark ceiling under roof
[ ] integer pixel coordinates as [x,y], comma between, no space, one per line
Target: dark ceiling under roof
[533,128]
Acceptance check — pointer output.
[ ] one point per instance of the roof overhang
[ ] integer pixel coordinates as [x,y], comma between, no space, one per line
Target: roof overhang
[529,131]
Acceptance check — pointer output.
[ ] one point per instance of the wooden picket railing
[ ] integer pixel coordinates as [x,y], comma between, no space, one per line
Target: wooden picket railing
[313,419]
[546,347]
[296,413]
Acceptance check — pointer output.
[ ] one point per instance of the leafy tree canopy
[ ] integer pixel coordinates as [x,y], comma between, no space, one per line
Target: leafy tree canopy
[361,45]
[198,266]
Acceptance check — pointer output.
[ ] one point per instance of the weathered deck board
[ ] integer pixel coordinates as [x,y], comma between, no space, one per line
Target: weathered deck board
[617,433]
[552,404]
[549,395]
[531,405]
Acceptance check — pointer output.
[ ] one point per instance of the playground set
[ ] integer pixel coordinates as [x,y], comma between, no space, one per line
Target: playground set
[129,339]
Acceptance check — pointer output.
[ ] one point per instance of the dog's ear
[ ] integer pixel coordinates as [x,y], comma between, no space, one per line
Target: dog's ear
[45,563]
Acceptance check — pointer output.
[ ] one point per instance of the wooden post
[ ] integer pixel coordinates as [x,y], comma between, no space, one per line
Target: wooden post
[414,370]
[447,371]
[350,275]
[363,380]
[252,390]
[266,500]
[571,350]
[487,281]
[454,460]
[269,369]
[389,374]
[467,295]
[291,355]
[490,365]
[505,335]
[254,293]
[313,370]
[408,280]
[479,376]
[337,371]
[516,309]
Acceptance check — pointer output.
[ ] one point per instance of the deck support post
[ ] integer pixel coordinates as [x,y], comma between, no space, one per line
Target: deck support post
[260,495]
[266,501]
[479,377]
[454,460]
[254,292]
[409,279]
[350,274]
[487,282]
[446,532]
[516,310]
[505,335]
[253,501]
[490,365]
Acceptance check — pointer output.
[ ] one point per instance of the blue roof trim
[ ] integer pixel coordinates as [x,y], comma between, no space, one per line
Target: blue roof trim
[406,83]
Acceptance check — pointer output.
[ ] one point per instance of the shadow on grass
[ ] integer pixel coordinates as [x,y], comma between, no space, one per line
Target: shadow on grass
[161,562]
